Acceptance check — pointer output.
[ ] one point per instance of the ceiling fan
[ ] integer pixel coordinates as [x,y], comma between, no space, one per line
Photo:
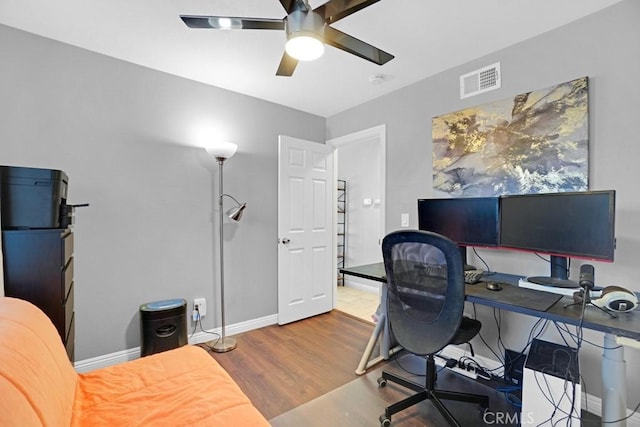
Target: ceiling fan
[308,30]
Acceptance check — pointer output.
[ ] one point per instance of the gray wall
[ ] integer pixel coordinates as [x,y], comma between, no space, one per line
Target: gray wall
[603,47]
[124,135]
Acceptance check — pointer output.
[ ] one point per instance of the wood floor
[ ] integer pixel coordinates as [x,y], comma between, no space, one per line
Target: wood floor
[282,367]
[303,374]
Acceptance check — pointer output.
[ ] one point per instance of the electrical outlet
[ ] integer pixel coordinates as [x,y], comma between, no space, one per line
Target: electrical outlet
[201,303]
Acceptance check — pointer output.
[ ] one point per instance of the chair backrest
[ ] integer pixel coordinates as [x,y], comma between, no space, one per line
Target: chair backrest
[425,298]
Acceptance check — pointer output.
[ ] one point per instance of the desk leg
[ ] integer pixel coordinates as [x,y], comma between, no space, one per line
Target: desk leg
[385,352]
[614,382]
[382,328]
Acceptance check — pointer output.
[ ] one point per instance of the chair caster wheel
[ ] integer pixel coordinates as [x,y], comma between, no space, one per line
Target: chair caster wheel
[382,382]
[384,421]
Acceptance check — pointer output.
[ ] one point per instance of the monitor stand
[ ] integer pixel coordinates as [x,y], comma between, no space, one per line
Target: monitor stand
[559,277]
[463,255]
[553,281]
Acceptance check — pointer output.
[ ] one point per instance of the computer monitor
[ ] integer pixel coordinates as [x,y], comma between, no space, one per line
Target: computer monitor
[572,224]
[472,221]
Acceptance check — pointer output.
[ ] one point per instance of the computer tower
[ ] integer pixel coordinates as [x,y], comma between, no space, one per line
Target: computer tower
[551,385]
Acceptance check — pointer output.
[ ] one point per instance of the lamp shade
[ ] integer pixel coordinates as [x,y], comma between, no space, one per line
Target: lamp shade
[235,213]
[222,149]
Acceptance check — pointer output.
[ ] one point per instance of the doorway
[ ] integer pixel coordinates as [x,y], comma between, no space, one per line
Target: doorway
[360,160]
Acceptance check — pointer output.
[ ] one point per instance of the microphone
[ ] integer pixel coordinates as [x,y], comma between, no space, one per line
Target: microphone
[586,277]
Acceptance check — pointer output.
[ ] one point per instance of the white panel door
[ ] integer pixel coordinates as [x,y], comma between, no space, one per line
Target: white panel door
[306,261]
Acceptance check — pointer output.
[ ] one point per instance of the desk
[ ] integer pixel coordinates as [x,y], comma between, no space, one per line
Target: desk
[627,325]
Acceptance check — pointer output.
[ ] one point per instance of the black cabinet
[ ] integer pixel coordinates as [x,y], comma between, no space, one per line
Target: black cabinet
[38,267]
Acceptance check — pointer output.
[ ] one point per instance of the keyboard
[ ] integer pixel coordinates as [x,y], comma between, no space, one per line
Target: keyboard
[473,276]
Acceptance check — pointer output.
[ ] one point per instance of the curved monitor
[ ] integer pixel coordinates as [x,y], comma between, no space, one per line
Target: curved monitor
[472,221]
[573,224]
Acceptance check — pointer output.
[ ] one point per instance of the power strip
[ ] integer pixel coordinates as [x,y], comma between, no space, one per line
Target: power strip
[456,353]
[471,374]
[488,369]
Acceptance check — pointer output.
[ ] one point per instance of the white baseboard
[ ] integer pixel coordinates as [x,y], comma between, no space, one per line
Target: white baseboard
[591,403]
[368,286]
[103,361]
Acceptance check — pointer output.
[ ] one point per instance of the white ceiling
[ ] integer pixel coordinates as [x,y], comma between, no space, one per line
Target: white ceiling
[426,37]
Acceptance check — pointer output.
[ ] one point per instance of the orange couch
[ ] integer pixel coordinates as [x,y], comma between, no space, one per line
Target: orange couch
[39,386]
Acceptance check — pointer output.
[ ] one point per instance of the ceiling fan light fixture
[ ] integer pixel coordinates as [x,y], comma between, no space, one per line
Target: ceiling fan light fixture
[307,31]
[304,47]
[305,35]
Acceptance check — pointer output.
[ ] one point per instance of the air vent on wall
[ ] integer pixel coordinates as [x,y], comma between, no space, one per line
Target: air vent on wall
[480,81]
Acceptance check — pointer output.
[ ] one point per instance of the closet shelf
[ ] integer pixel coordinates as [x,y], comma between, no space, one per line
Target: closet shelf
[342,228]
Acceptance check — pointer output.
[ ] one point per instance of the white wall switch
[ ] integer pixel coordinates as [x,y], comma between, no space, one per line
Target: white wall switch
[404,220]
[367,202]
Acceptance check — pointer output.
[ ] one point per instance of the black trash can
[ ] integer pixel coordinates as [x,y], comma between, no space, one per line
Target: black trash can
[163,325]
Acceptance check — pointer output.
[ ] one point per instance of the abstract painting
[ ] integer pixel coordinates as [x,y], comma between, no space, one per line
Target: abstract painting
[535,142]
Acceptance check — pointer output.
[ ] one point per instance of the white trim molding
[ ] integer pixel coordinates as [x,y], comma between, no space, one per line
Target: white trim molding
[117,357]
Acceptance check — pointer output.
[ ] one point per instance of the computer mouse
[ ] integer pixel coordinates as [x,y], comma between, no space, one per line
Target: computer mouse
[493,286]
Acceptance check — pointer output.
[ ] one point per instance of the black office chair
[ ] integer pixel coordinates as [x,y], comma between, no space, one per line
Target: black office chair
[425,304]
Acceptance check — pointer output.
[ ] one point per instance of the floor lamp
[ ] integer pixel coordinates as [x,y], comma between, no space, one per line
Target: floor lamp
[222,151]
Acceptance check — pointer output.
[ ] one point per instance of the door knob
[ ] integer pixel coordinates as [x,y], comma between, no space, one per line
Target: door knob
[285,240]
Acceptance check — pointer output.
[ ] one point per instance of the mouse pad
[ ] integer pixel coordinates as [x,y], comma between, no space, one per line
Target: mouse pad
[514,295]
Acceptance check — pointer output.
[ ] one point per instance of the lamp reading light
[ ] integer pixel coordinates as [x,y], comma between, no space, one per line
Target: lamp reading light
[236,213]
[304,47]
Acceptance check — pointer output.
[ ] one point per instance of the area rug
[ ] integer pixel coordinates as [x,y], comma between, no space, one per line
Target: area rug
[360,403]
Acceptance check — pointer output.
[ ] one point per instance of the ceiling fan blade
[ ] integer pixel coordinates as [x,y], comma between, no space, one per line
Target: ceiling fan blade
[354,46]
[291,5]
[287,66]
[334,10]
[232,23]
